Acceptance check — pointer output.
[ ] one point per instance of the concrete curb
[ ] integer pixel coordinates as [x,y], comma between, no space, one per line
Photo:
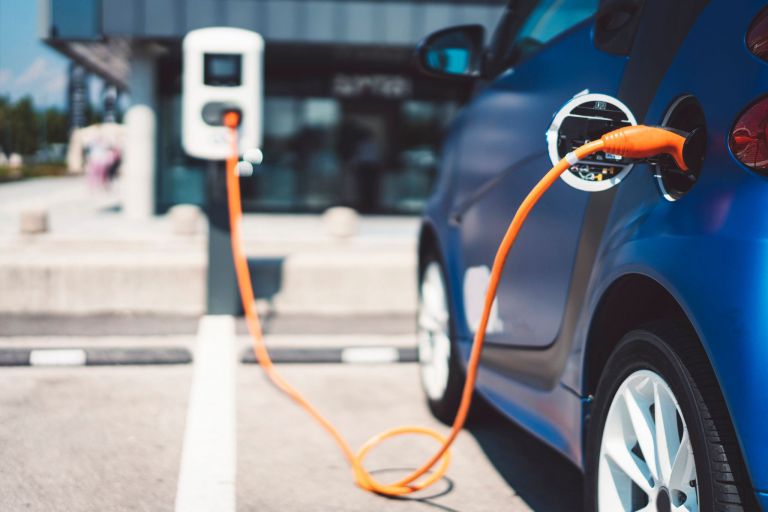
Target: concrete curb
[346,355]
[338,283]
[94,356]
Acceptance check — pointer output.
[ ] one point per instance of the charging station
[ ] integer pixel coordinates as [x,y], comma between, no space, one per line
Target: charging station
[222,73]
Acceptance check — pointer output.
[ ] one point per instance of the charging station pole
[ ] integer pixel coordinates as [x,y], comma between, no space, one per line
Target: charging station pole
[222,72]
[222,296]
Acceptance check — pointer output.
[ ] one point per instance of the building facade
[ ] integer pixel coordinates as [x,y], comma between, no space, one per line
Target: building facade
[348,120]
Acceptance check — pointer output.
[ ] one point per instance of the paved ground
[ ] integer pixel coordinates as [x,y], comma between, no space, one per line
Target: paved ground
[111,438]
[91,439]
[495,466]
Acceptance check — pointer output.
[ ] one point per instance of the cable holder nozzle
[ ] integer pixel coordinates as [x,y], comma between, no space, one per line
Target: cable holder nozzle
[231,118]
[251,158]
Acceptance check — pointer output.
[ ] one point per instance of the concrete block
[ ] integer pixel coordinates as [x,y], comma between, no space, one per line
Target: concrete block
[95,287]
[186,219]
[339,284]
[15,161]
[33,221]
[341,222]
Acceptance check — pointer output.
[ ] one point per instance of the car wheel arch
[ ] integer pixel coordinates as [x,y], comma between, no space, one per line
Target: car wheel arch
[629,302]
[428,245]
[432,246]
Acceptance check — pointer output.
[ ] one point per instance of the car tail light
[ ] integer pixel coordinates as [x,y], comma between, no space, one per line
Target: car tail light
[757,36]
[749,140]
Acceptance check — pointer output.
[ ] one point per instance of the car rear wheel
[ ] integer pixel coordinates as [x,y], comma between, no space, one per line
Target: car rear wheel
[660,439]
[645,418]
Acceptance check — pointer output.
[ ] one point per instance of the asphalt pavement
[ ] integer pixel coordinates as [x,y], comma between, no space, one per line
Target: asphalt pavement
[91,438]
[111,439]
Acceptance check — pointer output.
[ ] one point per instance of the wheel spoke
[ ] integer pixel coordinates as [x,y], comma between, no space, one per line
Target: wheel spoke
[427,322]
[641,421]
[629,464]
[667,442]
[441,348]
[434,338]
[440,355]
[683,468]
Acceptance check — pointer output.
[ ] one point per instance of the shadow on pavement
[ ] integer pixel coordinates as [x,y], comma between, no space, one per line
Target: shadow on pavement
[444,486]
[544,479]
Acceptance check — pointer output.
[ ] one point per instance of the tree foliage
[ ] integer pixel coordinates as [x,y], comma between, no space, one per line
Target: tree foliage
[5,105]
[56,126]
[23,130]
[23,127]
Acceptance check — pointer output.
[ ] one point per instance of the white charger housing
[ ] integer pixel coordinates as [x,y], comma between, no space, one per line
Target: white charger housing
[223,70]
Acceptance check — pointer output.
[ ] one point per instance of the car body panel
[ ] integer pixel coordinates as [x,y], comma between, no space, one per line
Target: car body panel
[709,250]
[500,158]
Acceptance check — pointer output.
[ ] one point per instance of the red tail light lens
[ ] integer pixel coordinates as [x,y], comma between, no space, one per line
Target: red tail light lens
[757,37]
[749,140]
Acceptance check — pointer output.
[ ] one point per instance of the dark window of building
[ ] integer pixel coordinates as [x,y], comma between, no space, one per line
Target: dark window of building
[76,19]
[375,156]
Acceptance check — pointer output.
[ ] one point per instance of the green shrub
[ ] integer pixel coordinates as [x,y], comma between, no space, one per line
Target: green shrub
[32,171]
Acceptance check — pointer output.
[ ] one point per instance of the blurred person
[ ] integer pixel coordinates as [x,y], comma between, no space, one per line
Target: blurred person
[96,150]
[306,145]
[367,165]
[101,158]
[348,138]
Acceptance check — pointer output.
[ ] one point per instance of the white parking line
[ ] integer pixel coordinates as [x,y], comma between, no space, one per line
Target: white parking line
[61,357]
[370,355]
[208,461]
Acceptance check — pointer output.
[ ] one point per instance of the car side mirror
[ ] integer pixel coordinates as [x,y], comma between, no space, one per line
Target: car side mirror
[455,52]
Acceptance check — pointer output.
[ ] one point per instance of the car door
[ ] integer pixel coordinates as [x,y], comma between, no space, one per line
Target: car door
[542,56]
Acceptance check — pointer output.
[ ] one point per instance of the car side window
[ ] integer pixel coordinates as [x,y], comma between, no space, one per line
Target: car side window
[529,25]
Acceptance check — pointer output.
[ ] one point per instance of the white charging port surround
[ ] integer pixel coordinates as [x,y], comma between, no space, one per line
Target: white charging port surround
[572,127]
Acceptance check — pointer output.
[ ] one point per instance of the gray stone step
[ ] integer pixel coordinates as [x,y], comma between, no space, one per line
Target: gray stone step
[140,282]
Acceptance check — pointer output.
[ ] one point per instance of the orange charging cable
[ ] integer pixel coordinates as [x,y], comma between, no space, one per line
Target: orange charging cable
[632,142]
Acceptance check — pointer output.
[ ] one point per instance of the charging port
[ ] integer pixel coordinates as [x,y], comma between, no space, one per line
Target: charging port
[585,118]
[686,115]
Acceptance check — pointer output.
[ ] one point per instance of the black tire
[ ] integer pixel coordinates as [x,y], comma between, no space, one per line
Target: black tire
[444,408]
[673,352]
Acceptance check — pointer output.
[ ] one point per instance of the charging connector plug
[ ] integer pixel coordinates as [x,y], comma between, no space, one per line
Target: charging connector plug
[643,142]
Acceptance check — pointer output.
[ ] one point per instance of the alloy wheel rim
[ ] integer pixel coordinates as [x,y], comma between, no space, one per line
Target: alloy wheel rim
[433,333]
[646,459]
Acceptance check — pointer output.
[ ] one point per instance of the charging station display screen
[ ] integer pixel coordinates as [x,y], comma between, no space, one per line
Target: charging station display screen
[223,69]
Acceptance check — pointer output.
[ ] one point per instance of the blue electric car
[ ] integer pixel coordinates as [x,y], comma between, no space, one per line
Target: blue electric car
[630,331]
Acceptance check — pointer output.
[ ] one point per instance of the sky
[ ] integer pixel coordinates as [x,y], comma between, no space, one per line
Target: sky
[27,66]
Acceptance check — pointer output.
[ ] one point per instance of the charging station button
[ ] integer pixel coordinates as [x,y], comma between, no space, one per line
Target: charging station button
[213,112]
